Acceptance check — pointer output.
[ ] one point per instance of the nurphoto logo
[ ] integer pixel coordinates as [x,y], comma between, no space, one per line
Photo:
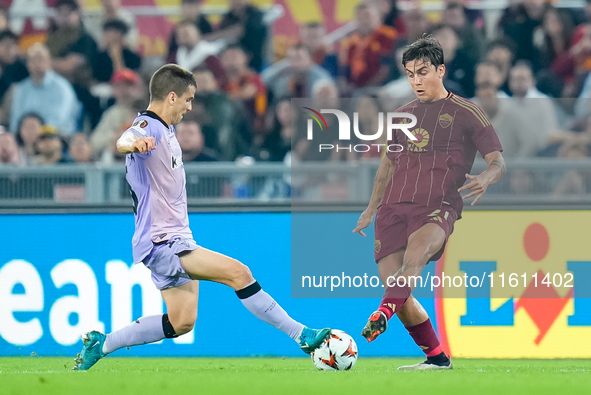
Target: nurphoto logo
[345,129]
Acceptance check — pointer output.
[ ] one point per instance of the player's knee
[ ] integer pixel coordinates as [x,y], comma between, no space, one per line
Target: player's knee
[185,323]
[184,327]
[241,275]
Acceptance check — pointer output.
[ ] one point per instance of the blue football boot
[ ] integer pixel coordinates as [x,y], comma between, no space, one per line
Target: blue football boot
[92,350]
[310,339]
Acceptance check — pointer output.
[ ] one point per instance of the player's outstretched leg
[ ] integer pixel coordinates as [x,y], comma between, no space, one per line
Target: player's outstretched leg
[145,330]
[209,265]
[265,308]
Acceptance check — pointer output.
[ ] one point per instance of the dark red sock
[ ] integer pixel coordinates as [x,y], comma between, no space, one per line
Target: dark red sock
[424,335]
[394,298]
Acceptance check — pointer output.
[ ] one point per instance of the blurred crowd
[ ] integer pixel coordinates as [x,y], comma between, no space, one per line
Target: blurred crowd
[69,98]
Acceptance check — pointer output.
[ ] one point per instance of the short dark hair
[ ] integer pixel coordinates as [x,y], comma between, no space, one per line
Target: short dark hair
[502,42]
[525,64]
[71,4]
[170,78]
[489,64]
[19,137]
[314,25]
[8,35]
[116,24]
[300,45]
[425,48]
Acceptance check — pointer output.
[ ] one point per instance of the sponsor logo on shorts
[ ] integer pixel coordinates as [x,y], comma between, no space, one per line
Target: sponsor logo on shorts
[377,246]
[445,120]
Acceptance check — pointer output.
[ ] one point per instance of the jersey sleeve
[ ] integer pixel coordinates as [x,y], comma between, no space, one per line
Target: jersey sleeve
[482,132]
[143,127]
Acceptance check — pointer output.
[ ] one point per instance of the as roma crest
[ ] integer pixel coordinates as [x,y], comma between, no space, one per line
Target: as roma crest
[445,120]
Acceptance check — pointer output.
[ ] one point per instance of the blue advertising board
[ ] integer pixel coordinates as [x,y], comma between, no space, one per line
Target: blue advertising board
[64,274]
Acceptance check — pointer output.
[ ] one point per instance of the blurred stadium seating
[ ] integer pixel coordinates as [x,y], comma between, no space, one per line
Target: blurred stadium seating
[541,51]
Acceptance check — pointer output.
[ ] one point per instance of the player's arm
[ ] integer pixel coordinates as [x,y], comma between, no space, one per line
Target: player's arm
[383,175]
[129,143]
[478,184]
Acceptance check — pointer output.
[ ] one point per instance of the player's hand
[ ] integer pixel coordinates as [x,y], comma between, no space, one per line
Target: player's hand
[144,145]
[364,221]
[477,185]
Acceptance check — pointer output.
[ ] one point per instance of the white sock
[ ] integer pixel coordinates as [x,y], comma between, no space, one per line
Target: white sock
[142,331]
[265,308]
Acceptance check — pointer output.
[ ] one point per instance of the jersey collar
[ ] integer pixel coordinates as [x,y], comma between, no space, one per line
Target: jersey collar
[152,114]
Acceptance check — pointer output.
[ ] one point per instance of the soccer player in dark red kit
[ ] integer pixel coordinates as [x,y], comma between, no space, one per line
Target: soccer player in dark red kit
[416,195]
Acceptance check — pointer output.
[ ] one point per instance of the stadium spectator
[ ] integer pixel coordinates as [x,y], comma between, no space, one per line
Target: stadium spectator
[127,89]
[519,22]
[190,10]
[557,74]
[325,94]
[296,76]
[115,55]
[111,9]
[29,129]
[581,42]
[12,68]
[226,125]
[368,109]
[573,182]
[277,142]
[512,129]
[458,66]
[4,19]
[501,52]
[45,92]
[192,143]
[80,149]
[489,75]
[365,55]
[193,52]
[416,22]
[50,147]
[391,15]
[471,38]
[312,37]
[397,92]
[533,106]
[111,155]
[9,152]
[245,85]
[69,44]
[247,21]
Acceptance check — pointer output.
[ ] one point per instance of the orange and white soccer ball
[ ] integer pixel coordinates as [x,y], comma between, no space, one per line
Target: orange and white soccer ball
[338,352]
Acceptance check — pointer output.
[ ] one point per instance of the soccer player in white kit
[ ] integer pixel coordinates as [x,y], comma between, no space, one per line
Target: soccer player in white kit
[163,241]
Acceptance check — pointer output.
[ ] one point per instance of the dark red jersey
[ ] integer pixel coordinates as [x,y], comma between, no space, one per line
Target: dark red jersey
[430,170]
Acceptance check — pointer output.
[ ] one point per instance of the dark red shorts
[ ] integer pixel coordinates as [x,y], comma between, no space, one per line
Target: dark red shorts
[395,223]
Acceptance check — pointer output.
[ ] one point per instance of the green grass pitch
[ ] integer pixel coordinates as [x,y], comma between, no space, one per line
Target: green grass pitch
[240,376]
